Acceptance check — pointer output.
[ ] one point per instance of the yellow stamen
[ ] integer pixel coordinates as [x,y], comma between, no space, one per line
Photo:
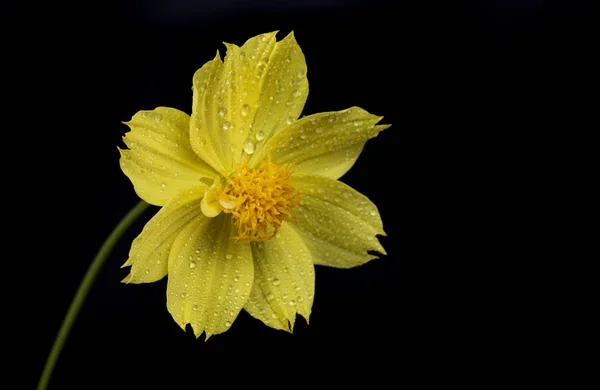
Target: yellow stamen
[259,199]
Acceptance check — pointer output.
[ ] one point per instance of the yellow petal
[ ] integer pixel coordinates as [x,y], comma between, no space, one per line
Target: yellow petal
[239,103]
[325,144]
[284,280]
[338,224]
[149,253]
[211,276]
[160,161]
[208,131]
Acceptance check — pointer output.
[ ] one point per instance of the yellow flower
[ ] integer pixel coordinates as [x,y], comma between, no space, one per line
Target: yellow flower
[249,193]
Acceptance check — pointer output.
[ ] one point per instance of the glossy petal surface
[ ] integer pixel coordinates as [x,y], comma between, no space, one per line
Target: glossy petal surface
[337,223]
[160,161]
[284,282]
[210,275]
[241,102]
[324,144]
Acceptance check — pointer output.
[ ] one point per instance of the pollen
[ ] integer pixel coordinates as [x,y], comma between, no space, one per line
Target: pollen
[260,199]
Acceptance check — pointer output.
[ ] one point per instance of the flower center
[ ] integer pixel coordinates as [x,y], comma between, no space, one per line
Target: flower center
[259,200]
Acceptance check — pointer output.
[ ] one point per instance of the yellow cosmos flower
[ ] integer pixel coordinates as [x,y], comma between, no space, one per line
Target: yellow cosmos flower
[249,193]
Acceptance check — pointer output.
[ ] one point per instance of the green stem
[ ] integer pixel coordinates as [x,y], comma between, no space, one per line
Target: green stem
[84,288]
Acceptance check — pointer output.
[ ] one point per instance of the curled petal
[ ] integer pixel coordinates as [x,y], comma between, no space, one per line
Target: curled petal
[211,276]
[338,224]
[324,144]
[149,253]
[284,282]
[160,161]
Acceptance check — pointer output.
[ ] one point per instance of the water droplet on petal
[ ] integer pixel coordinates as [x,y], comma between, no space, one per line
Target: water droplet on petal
[223,111]
[276,282]
[270,297]
[227,324]
[260,136]
[158,117]
[192,264]
[249,147]
[226,125]
[183,295]
[245,109]
[292,303]
[290,120]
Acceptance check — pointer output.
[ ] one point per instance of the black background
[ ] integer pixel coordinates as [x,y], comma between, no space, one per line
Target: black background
[456,81]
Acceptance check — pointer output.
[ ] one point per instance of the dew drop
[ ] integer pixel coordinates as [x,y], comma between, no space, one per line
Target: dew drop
[260,136]
[297,93]
[242,54]
[158,117]
[249,147]
[276,282]
[270,297]
[229,256]
[203,87]
[223,111]
[373,213]
[226,125]
[290,120]
[195,307]
[192,264]
[236,278]
[227,324]
[288,59]
[292,303]
[183,295]
[245,109]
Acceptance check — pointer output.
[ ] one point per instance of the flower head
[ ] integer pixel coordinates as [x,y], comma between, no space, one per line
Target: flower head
[249,193]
